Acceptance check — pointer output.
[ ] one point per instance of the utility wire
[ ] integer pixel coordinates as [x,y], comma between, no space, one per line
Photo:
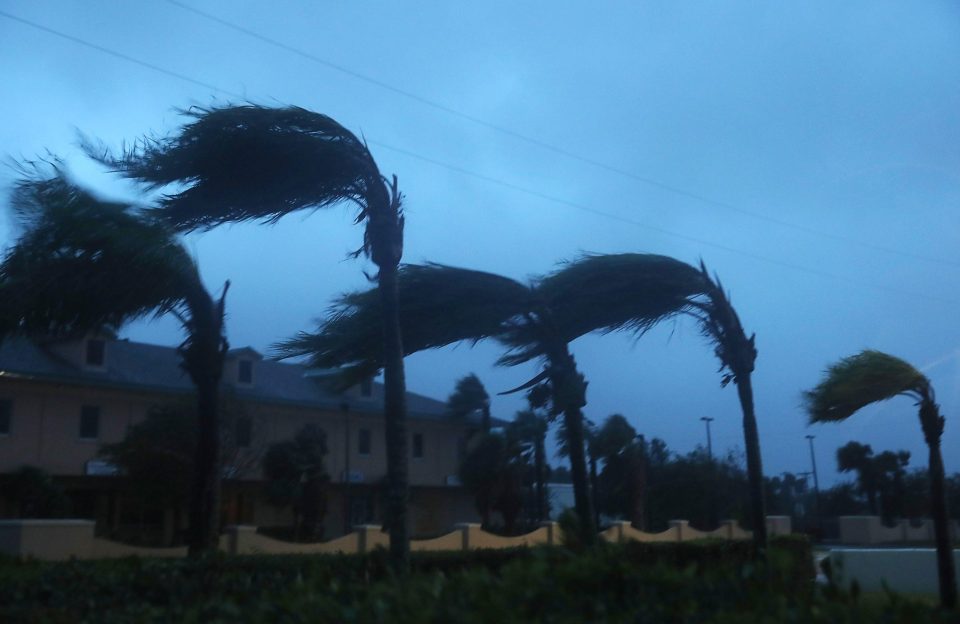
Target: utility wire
[496,181]
[554,148]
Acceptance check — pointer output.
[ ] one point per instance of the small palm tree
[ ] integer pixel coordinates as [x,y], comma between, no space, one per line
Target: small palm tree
[530,428]
[243,163]
[634,292]
[870,376]
[82,264]
[468,397]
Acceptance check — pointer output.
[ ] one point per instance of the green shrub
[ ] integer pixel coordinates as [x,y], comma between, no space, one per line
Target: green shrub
[693,582]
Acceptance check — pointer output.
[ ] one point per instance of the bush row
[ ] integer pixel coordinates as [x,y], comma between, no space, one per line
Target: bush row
[708,582]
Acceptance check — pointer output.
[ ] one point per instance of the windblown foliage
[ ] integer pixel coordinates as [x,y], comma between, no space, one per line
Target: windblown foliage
[242,163]
[439,305]
[858,380]
[83,263]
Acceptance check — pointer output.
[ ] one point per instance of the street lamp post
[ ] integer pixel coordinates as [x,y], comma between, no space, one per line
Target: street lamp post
[708,420]
[816,481]
[712,507]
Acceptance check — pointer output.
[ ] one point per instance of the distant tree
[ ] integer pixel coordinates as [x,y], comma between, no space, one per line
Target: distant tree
[529,428]
[296,478]
[469,397]
[841,500]
[692,486]
[35,493]
[622,482]
[870,376]
[493,471]
[880,478]
[82,264]
[858,458]
[158,454]
[787,495]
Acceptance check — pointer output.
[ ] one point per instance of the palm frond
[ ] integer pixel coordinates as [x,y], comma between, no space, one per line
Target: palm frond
[612,292]
[856,381]
[82,263]
[605,293]
[242,163]
[439,305]
[720,324]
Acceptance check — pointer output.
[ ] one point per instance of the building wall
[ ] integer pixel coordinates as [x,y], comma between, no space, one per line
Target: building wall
[45,432]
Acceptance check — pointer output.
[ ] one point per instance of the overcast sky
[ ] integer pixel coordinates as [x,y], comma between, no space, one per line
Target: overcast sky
[808,152]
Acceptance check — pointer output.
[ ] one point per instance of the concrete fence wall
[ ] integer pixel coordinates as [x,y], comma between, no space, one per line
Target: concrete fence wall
[872,530]
[55,540]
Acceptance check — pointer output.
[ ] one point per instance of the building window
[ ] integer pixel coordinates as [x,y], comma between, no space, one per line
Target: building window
[363,442]
[244,432]
[6,415]
[418,446]
[89,422]
[96,350]
[245,374]
[366,388]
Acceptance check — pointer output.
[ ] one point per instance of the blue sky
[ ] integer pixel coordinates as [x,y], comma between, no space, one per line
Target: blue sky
[808,152]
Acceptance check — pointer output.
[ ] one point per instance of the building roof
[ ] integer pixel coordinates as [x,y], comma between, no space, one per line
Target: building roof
[153,368]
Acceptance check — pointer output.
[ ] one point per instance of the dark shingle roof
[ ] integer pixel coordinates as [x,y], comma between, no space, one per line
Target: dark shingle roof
[139,366]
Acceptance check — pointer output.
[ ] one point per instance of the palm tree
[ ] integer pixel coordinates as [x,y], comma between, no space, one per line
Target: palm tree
[530,428]
[870,376]
[468,397]
[82,264]
[442,305]
[634,292]
[242,163]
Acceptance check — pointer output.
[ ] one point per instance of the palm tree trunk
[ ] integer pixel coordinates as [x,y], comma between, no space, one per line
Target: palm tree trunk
[754,465]
[205,499]
[941,529]
[573,422]
[395,416]
[203,355]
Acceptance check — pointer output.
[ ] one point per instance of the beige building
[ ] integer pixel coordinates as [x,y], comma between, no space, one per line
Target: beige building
[61,401]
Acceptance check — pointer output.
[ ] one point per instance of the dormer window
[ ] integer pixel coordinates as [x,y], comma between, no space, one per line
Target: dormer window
[96,352]
[245,372]
[366,388]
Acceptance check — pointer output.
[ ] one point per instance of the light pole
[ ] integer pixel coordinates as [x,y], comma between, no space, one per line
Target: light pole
[708,420]
[712,507]
[816,481]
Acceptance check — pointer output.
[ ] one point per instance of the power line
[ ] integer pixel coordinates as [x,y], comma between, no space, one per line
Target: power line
[497,181]
[554,148]
[115,54]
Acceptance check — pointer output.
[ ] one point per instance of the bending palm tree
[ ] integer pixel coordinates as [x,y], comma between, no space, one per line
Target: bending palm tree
[246,163]
[82,264]
[441,305]
[871,376]
[634,292]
